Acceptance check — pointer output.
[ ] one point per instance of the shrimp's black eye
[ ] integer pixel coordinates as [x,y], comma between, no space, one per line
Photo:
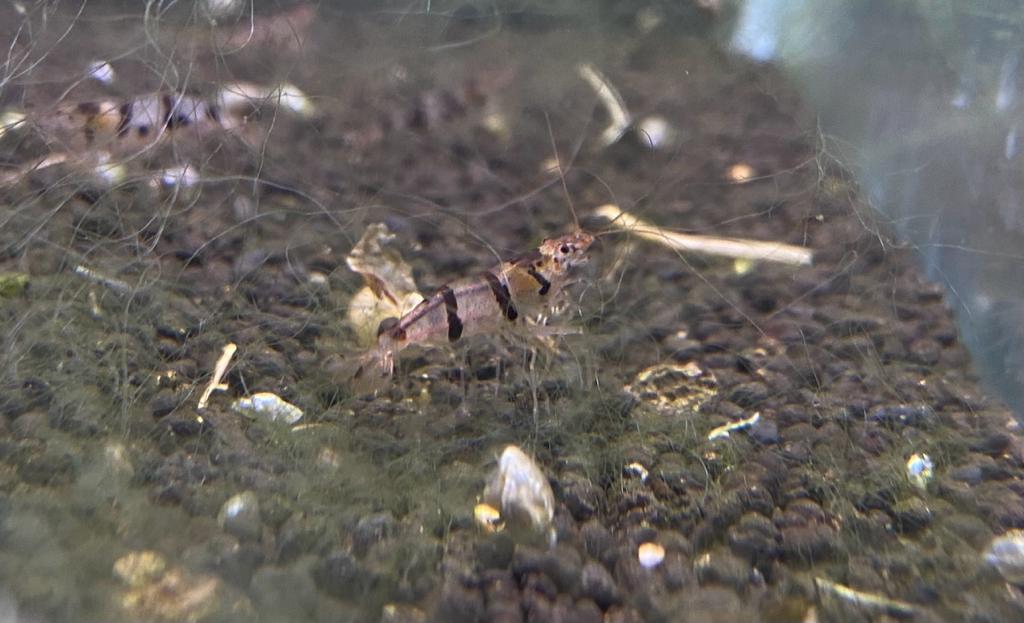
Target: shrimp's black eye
[564,249]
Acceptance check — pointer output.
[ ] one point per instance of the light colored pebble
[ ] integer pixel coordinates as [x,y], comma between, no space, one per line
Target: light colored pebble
[920,470]
[140,567]
[650,554]
[521,490]
[240,515]
[1006,554]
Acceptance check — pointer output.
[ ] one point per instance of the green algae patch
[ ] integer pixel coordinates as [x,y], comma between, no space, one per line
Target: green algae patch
[12,284]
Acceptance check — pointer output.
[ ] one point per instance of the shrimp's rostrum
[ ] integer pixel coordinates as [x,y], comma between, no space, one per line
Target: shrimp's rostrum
[514,289]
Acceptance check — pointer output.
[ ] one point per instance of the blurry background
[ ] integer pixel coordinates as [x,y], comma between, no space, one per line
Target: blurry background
[922,101]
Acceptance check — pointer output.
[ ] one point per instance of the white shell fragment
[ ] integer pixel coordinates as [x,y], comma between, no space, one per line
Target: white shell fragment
[920,470]
[1006,554]
[732,427]
[268,406]
[521,490]
[100,71]
[650,555]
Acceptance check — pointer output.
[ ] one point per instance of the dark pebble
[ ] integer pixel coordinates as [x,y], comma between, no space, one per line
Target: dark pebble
[11,404]
[283,593]
[749,395]
[339,575]
[48,468]
[721,567]
[583,611]
[496,552]
[806,534]
[978,468]
[237,564]
[459,604]
[999,505]
[622,615]
[925,351]
[580,495]
[911,515]
[754,538]
[297,536]
[682,349]
[371,529]
[902,415]
[561,564]
[33,424]
[597,584]
[598,541]
[992,444]
[765,432]
[165,402]
[82,412]
[186,424]
[501,593]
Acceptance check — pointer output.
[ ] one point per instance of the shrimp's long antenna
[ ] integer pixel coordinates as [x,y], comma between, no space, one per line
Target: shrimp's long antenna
[561,173]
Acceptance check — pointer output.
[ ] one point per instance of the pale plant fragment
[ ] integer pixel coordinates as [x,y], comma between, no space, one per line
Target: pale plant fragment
[727,429]
[390,289]
[218,373]
[737,248]
[610,97]
[871,602]
[235,96]
[121,287]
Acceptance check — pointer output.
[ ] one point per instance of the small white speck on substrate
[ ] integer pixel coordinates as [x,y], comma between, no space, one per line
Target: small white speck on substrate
[741,172]
[184,176]
[655,132]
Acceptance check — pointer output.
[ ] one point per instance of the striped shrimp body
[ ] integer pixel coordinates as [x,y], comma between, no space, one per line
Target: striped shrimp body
[131,123]
[479,305]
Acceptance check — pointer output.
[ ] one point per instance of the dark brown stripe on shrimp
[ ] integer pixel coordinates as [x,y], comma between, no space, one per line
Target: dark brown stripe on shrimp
[502,296]
[125,121]
[168,110]
[90,109]
[545,285]
[451,307]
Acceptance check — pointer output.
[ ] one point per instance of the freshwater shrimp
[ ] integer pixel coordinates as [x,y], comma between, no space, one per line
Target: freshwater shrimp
[510,292]
[95,131]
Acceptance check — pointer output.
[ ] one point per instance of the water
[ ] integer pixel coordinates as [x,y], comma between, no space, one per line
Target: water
[931,129]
